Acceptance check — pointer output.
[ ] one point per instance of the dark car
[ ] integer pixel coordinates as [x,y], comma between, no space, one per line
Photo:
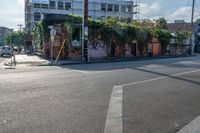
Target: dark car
[6,51]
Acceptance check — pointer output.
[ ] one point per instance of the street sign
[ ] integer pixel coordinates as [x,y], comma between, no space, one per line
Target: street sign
[53,32]
[76,43]
[86,31]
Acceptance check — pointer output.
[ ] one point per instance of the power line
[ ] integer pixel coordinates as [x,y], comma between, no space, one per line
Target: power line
[192,17]
[188,3]
[197,6]
[188,8]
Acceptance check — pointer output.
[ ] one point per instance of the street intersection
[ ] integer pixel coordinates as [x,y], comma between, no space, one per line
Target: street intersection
[153,96]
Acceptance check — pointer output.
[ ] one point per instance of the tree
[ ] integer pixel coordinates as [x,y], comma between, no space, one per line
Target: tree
[9,38]
[161,23]
[113,31]
[16,38]
[164,36]
[182,35]
[142,37]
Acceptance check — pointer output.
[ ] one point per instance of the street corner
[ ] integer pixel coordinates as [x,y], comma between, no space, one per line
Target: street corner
[26,60]
[154,105]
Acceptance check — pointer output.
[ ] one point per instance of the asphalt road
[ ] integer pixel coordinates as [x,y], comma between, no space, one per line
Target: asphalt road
[2,59]
[155,96]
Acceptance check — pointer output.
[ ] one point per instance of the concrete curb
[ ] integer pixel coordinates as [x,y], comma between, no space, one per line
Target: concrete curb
[125,60]
[47,63]
[192,127]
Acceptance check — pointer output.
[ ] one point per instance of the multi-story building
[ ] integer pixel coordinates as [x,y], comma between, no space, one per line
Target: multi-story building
[98,9]
[3,32]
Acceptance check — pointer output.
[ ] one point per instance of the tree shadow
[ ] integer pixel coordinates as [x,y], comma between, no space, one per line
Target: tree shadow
[170,76]
[171,63]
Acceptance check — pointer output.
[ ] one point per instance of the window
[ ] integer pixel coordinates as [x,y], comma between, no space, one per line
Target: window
[44,6]
[103,17]
[60,5]
[110,8]
[128,8]
[116,8]
[67,5]
[123,8]
[36,5]
[52,4]
[37,16]
[103,7]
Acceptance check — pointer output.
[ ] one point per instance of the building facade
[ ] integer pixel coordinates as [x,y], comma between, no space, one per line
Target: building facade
[179,25]
[3,32]
[197,37]
[98,9]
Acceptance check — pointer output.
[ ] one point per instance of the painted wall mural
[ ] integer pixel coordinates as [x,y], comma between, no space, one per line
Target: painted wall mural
[97,49]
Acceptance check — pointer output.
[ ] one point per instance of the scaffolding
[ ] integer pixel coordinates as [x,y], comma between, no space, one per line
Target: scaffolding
[28,21]
[136,10]
[33,12]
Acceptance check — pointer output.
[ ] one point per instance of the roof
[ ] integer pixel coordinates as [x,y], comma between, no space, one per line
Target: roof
[173,27]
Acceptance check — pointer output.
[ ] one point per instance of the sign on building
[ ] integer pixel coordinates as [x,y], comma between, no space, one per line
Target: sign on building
[76,43]
[53,32]
[40,1]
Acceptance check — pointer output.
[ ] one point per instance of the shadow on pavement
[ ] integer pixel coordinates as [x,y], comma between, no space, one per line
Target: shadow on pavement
[173,77]
[193,63]
[175,62]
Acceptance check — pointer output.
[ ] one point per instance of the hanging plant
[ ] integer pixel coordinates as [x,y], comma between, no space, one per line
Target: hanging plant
[69,27]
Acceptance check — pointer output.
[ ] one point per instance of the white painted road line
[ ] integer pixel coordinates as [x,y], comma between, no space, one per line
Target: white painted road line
[159,78]
[80,71]
[193,127]
[114,115]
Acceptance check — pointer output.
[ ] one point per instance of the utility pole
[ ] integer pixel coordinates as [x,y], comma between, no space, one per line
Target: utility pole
[20,27]
[10,34]
[192,24]
[85,32]
[192,18]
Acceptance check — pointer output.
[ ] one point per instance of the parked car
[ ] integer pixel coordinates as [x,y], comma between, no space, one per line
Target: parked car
[6,50]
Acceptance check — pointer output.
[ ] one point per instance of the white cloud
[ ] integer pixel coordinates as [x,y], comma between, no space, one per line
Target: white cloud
[155,10]
[20,2]
[152,9]
[182,13]
[12,13]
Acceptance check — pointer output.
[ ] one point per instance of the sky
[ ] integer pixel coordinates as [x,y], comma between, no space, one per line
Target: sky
[12,11]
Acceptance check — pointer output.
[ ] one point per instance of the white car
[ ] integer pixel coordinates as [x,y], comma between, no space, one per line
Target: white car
[6,50]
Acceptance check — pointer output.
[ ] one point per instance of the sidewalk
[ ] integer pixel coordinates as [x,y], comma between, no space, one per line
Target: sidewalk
[25,60]
[34,60]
